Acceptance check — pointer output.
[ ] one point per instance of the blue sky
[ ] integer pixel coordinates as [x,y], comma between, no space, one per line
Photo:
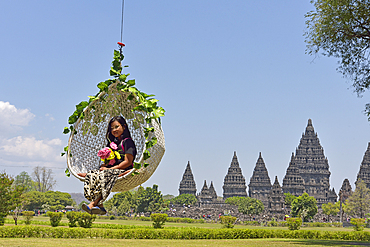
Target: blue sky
[232,76]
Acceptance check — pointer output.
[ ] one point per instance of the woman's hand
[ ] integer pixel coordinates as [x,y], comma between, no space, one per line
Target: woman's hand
[103,168]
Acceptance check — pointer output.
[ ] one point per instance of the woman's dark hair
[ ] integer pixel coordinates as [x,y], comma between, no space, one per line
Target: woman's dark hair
[126,132]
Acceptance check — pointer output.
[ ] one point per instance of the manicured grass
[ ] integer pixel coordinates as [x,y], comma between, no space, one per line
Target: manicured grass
[197,225]
[143,243]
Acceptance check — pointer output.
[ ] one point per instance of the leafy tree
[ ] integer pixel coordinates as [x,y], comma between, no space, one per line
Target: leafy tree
[358,204]
[149,200]
[43,178]
[235,200]
[23,179]
[120,203]
[330,209]
[341,29]
[51,200]
[304,206]
[186,199]
[289,198]
[250,206]
[10,197]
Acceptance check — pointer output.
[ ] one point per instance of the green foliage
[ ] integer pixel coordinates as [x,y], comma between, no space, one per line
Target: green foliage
[358,224]
[85,220]
[250,206]
[228,221]
[186,199]
[358,204]
[175,233]
[289,198]
[304,206]
[120,203]
[24,180]
[158,220]
[144,102]
[55,218]
[330,209]
[294,223]
[56,200]
[341,29]
[72,218]
[10,196]
[149,200]
[235,200]
[28,215]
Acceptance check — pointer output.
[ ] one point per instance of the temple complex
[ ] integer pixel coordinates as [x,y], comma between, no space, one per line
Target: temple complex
[187,184]
[364,172]
[260,184]
[234,182]
[345,190]
[314,167]
[276,199]
[293,182]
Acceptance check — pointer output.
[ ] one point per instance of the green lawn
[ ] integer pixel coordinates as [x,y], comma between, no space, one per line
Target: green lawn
[198,225]
[44,242]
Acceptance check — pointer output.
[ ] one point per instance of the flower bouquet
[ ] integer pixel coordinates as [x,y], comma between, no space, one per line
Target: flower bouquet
[109,154]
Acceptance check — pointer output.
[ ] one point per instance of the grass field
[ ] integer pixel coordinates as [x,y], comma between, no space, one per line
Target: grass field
[134,242]
[160,242]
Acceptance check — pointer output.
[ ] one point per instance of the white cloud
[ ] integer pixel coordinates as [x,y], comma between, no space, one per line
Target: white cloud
[20,148]
[11,117]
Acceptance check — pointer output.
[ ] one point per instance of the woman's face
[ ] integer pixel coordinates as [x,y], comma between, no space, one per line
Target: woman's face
[116,129]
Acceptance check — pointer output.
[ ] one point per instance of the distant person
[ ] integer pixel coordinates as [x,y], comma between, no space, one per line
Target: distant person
[99,182]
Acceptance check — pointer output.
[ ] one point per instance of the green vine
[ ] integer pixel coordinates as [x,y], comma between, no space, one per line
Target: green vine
[144,102]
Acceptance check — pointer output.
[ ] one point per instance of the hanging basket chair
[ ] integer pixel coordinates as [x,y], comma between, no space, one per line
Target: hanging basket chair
[90,136]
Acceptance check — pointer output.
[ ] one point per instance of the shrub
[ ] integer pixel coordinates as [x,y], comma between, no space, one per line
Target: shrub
[72,218]
[358,224]
[158,220]
[55,218]
[228,221]
[294,223]
[2,219]
[85,220]
[112,217]
[272,223]
[28,215]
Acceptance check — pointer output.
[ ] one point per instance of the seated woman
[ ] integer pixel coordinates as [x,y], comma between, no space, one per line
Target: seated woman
[99,183]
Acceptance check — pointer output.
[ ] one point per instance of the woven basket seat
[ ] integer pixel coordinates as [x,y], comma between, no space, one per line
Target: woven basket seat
[91,137]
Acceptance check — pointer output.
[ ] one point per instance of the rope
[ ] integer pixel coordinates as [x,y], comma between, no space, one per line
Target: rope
[123,4]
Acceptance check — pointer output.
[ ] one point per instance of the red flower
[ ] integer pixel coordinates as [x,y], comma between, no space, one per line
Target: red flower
[121,44]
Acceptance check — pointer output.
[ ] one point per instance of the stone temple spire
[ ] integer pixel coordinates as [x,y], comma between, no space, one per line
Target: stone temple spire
[364,172]
[187,184]
[293,182]
[212,191]
[313,166]
[234,182]
[260,184]
[276,198]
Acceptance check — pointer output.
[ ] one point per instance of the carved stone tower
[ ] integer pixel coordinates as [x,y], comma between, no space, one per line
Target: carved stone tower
[187,184]
[260,184]
[364,172]
[345,190]
[293,182]
[212,192]
[313,166]
[234,182]
[205,196]
[276,198]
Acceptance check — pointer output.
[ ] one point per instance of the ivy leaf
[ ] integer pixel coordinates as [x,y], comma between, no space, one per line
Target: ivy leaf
[131,82]
[62,154]
[81,106]
[151,143]
[66,130]
[67,173]
[146,154]
[137,165]
[159,112]
[146,164]
[122,78]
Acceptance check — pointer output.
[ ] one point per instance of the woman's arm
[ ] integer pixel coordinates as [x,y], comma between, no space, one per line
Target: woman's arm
[129,158]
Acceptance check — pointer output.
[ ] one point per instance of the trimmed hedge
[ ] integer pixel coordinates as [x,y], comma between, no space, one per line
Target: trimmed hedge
[181,233]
